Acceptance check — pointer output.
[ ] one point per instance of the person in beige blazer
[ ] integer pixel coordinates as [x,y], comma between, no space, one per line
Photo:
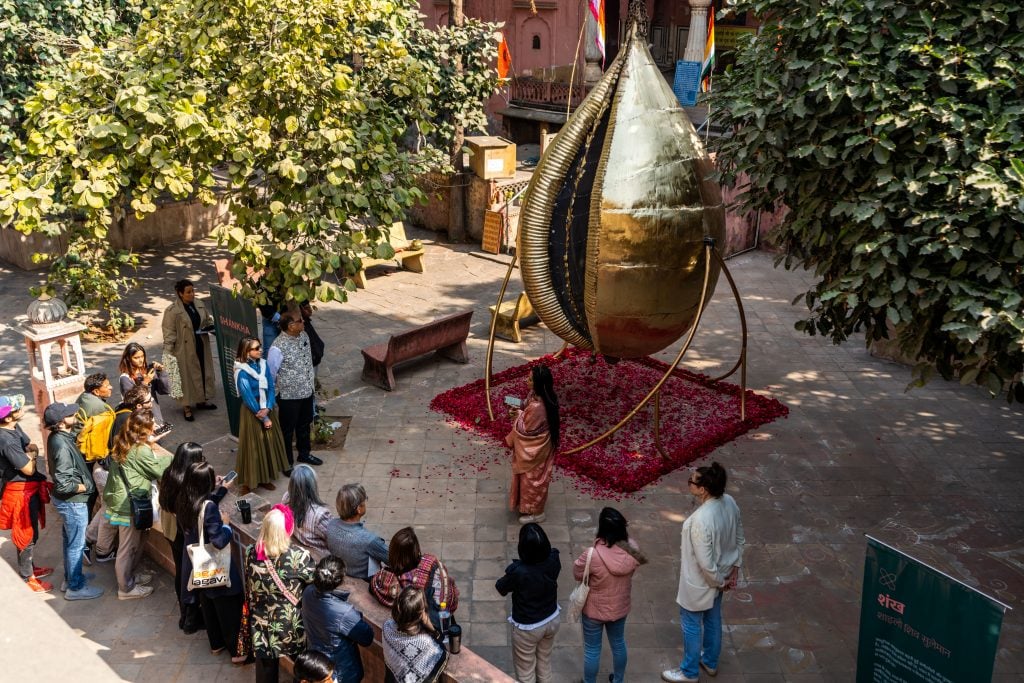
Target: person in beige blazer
[182,323]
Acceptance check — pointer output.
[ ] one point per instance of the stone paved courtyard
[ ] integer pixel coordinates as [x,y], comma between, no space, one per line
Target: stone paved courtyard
[935,471]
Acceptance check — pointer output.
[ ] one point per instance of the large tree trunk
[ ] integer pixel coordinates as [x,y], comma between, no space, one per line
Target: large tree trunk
[457,203]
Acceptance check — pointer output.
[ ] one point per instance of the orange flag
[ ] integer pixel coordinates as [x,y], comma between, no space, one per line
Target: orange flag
[504,58]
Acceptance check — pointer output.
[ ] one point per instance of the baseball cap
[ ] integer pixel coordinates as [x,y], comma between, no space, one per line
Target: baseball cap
[55,412]
[11,404]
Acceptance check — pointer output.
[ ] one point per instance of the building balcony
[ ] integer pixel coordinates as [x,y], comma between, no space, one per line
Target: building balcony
[538,93]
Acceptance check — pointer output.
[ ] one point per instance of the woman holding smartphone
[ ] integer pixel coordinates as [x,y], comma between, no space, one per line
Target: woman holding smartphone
[198,504]
[137,371]
[261,453]
[534,442]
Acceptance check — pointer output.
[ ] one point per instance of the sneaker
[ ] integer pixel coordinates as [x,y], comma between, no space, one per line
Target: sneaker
[37,586]
[526,519]
[708,670]
[677,676]
[310,460]
[41,572]
[84,593]
[87,555]
[109,557]
[143,578]
[88,576]
[138,592]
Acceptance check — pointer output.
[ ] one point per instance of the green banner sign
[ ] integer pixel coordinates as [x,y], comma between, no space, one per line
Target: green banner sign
[917,624]
[234,317]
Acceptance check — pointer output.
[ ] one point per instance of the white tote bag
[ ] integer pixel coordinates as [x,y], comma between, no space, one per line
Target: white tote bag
[578,597]
[211,566]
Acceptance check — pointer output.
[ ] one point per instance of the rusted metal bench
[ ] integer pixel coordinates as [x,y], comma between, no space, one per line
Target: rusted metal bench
[447,336]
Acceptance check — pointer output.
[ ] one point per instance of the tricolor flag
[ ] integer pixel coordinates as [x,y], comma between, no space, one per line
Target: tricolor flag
[709,56]
[597,11]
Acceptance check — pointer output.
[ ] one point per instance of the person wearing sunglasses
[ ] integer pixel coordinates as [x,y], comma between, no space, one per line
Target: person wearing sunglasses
[712,553]
[261,452]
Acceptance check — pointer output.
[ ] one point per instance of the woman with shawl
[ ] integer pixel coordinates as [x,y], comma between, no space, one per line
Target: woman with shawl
[534,442]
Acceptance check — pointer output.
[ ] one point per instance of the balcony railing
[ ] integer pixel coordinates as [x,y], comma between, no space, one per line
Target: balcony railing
[534,92]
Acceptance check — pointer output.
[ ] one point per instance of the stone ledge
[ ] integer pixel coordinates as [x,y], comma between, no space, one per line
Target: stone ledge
[462,668]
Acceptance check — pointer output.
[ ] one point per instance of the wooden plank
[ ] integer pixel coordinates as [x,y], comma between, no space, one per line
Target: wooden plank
[493,222]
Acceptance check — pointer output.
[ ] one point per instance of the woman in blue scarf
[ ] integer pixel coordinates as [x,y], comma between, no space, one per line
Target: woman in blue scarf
[261,453]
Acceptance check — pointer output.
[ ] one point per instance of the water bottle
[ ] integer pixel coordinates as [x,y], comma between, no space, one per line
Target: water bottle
[445,617]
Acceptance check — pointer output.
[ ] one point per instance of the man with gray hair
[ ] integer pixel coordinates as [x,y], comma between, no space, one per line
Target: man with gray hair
[362,550]
[290,360]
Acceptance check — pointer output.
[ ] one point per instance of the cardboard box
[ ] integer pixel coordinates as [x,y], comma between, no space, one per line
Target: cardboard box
[491,156]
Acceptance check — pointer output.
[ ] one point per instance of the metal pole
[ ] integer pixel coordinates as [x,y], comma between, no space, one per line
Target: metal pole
[490,337]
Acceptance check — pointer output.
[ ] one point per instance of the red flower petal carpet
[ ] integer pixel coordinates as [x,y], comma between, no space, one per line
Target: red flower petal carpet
[698,414]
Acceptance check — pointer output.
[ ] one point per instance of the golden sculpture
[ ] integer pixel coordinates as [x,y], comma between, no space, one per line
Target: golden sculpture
[619,223]
[615,217]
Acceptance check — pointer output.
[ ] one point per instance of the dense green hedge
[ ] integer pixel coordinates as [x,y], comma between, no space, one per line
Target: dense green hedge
[893,131]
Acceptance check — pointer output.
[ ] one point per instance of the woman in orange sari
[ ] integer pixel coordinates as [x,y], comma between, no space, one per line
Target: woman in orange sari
[534,442]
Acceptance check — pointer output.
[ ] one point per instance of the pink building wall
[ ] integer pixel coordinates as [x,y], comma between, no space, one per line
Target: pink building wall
[544,44]
[556,25]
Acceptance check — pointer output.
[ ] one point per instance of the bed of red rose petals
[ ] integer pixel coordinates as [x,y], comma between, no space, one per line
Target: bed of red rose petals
[698,414]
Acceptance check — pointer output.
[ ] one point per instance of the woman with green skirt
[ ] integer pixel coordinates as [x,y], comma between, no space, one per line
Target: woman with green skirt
[261,453]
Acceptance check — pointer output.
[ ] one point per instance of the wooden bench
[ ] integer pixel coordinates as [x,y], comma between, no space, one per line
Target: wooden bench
[447,336]
[512,317]
[409,259]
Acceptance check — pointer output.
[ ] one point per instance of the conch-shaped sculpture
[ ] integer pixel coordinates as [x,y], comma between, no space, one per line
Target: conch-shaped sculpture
[614,221]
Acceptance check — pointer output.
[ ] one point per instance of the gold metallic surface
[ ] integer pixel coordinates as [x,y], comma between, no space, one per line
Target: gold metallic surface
[650,218]
[650,209]
[705,294]
[538,203]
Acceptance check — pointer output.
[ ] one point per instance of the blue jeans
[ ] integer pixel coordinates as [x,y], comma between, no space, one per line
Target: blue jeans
[592,648]
[696,648]
[76,519]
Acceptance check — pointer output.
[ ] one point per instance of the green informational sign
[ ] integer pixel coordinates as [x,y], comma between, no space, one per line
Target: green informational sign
[234,317]
[917,624]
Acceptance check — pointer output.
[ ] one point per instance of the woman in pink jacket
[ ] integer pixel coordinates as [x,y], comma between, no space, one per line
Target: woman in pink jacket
[615,557]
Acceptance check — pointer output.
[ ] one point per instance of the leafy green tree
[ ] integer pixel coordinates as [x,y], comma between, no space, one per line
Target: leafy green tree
[887,128]
[37,35]
[311,119]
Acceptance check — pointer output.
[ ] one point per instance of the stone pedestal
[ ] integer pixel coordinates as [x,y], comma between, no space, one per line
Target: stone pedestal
[56,363]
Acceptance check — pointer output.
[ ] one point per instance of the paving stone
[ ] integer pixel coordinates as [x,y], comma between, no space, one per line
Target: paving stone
[935,470]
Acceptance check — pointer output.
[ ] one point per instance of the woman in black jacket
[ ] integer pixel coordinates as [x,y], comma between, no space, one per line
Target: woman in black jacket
[190,619]
[533,582]
[221,607]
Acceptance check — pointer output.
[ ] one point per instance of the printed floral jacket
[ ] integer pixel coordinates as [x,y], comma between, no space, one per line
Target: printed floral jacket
[277,624]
